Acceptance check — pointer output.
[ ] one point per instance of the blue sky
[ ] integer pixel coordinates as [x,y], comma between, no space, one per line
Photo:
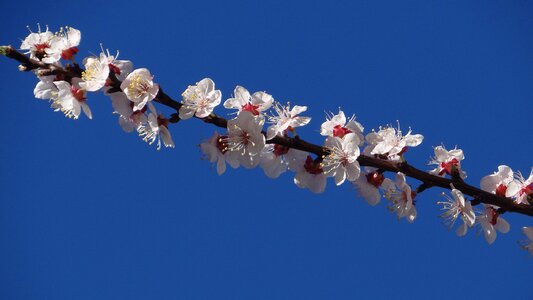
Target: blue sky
[90,212]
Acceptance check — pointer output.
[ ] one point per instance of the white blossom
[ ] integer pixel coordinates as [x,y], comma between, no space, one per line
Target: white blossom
[448,162]
[455,208]
[156,129]
[390,143]
[490,221]
[63,45]
[246,139]
[140,88]
[96,72]
[402,200]
[199,100]
[129,120]
[309,174]
[275,159]
[497,183]
[70,99]
[368,184]
[528,244]
[37,44]
[341,163]
[45,88]
[338,126]
[216,151]
[285,118]
[521,188]
[243,101]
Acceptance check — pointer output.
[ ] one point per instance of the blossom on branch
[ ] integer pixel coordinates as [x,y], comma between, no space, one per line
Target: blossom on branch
[490,221]
[498,182]
[341,163]
[521,188]
[199,100]
[309,174]
[455,208]
[246,139]
[275,159]
[448,162]
[140,88]
[243,101]
[63,45]
[70,99]
[285,119]
[216,150]
[129,120]
[402,200]
[389,143]
[45,88]
[338,126]
[369,183]
[38,44]
[96,72]
[156,129]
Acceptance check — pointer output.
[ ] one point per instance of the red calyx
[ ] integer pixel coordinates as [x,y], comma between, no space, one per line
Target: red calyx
[375,179]
[312,167]
[280,150]
[114,69]
[251,108]
[449,166]
[500,190]
[493,216]
[528,190]
[340,131]
[69,53]
[78,94]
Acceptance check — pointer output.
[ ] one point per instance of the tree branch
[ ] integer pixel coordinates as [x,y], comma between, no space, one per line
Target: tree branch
[428,180]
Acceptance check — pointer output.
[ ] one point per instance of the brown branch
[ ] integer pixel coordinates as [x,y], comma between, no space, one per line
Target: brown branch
[428,180]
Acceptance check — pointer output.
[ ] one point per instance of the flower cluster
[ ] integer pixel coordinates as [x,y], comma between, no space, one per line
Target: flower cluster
[131,91]
[277,148]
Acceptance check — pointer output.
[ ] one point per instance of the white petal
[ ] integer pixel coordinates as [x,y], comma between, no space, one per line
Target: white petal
[340,176]
[461,230]
[502,225]
[86,110]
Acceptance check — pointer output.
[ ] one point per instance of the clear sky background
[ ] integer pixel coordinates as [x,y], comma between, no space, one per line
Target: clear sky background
[90,212]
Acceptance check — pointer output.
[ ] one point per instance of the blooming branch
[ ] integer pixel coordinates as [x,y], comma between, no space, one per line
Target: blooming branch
[278,148]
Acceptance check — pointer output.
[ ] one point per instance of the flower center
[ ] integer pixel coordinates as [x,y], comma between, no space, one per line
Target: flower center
[40,50]
[251,108]
[375,179]
[221,145]
[449,166]
[91,72]
[137,87]
[493,215]
[311,167]
[340,131]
